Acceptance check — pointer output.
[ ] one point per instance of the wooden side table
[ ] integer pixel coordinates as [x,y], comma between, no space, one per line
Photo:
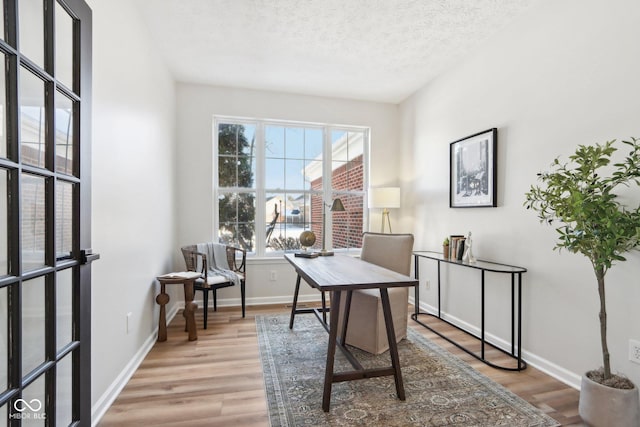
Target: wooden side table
[185,278]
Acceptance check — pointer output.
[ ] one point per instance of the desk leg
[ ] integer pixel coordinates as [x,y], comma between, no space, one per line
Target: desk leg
[345,321]
[189,310]
[162,299]
[324,308]
[295,302]
[393,346]
[331,350]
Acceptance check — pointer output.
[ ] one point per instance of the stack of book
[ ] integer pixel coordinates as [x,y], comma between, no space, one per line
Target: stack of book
[305,254]
[456,246]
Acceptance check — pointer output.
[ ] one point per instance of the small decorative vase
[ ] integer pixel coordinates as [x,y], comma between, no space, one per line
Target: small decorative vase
[602,406]
[445,251]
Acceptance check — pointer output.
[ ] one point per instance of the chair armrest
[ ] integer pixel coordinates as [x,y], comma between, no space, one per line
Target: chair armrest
[237,259]
[195,255]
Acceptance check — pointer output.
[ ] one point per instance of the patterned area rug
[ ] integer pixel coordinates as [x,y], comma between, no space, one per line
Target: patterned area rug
[441,390]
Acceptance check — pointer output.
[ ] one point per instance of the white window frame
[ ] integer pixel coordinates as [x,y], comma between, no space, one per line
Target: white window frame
[260,178]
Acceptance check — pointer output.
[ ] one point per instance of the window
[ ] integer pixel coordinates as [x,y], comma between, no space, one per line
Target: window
[273,179]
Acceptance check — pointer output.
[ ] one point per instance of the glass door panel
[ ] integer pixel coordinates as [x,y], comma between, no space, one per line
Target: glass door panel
[33,221]
[4,225]
[4,340]
[64,134]
[31,13]
[64,47]
[3,105]
[64,300]
[33,324]
[32,119]
[64,388]
[33,404]
[1,32]
[64,219]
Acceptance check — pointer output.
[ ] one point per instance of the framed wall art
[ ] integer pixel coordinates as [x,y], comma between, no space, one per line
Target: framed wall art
[473,171]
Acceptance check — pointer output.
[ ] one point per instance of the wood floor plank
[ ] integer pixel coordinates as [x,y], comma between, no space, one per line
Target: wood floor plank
[217,380]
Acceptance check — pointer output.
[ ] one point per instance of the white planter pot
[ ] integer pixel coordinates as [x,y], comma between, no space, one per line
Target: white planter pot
[602,406]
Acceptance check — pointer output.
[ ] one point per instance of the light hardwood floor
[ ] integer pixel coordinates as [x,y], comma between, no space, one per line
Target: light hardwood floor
[217,380]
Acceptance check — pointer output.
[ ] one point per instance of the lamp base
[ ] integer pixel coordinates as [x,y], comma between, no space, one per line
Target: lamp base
[325,252]
[385,218]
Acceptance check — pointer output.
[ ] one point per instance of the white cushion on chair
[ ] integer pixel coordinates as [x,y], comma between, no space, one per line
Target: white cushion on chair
[214,279]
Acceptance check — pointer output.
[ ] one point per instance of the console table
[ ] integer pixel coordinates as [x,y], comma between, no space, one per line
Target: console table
[482,266]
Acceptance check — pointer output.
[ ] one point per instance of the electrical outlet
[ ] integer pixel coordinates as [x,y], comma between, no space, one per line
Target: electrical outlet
[634,351]
[427,284]
[273,276]
[128,322]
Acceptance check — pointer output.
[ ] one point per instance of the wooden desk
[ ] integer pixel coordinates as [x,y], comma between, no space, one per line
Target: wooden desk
[339,274]
[186,279]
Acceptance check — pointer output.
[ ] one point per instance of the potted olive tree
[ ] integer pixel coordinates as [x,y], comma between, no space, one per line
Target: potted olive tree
[579,198]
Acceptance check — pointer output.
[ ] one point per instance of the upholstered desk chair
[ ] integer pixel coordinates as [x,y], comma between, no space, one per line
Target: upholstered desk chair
[216,273]
[366,328]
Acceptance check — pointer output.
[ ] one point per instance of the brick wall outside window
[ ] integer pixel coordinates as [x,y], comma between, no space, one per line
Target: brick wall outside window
[347,226]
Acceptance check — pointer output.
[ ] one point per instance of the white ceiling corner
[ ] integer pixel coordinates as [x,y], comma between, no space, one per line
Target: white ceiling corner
[376,50]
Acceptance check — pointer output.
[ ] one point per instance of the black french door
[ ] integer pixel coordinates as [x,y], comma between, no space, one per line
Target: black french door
[45,211]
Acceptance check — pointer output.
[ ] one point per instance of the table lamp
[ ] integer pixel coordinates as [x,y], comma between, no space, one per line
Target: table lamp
[384,198]
[337,206]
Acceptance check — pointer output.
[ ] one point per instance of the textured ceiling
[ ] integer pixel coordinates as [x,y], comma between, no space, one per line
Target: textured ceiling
[379,50]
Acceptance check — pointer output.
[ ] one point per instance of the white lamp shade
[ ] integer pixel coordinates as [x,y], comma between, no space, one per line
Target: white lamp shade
[384,198]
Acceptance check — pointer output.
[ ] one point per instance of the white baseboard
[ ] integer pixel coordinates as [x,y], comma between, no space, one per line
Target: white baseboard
[569,378]
[109,396]
[286,299]
[558,372]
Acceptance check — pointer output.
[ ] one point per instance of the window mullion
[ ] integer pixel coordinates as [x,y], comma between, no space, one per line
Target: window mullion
[366,177]
[260,226]
[327,193]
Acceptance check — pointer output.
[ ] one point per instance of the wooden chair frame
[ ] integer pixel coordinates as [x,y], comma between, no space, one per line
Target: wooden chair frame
[237,259]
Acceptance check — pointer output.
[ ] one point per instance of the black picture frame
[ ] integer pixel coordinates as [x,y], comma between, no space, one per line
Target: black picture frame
[473,170]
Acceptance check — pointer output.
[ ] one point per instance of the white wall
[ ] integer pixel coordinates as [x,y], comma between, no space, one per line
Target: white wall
[565,73]
[196,107]
[133,191]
